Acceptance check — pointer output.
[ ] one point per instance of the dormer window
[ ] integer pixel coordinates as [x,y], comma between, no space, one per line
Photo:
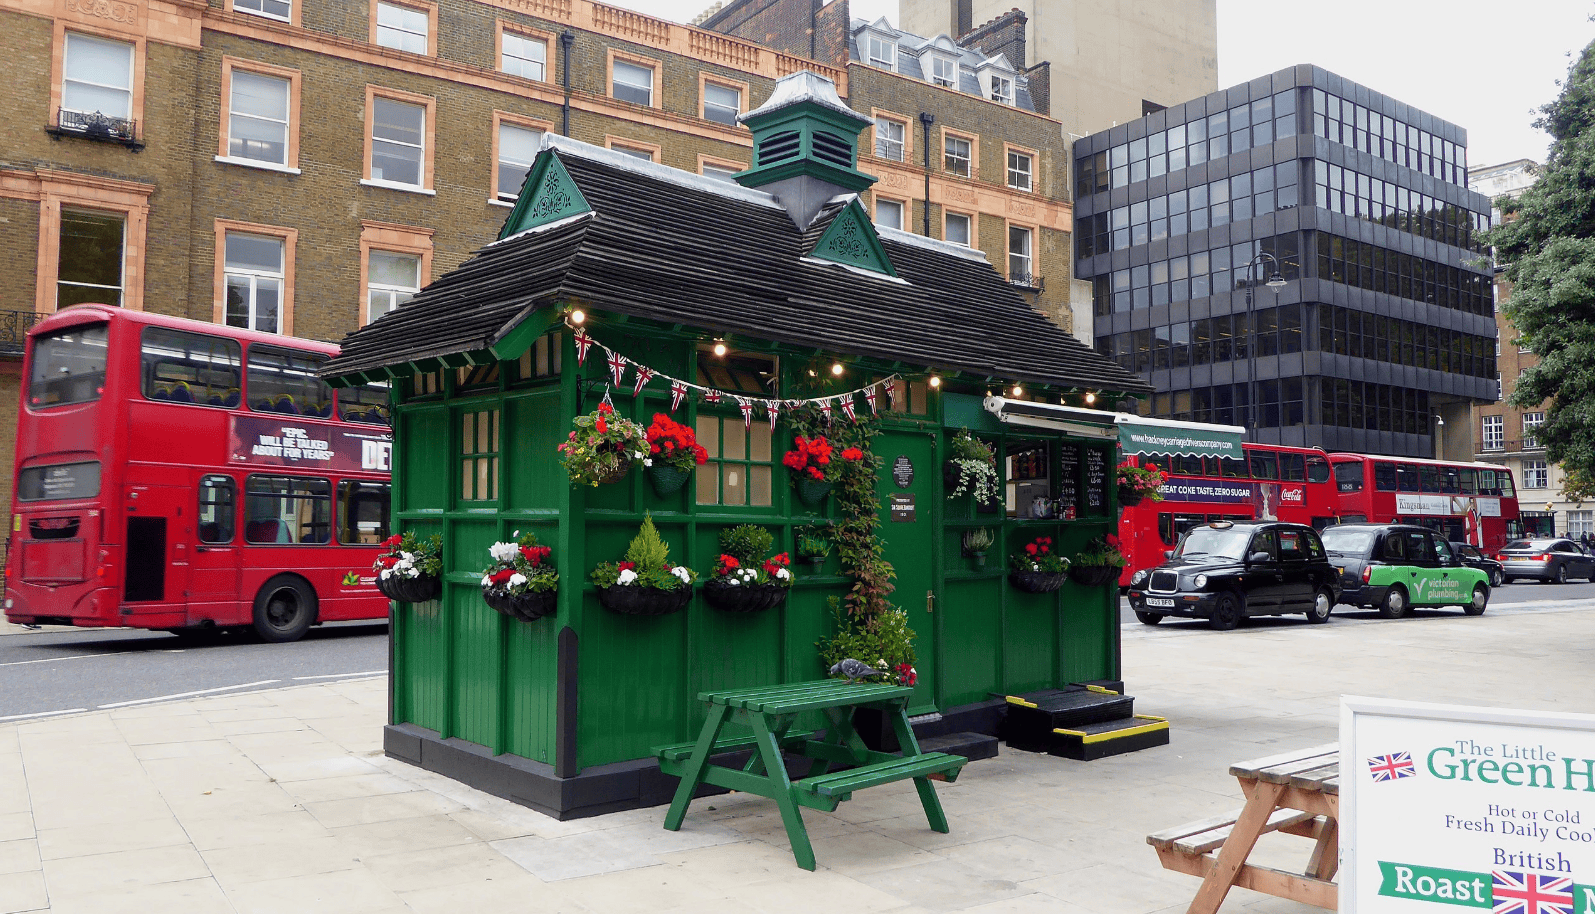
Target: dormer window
[944,71]
[882,52]
[1001,89]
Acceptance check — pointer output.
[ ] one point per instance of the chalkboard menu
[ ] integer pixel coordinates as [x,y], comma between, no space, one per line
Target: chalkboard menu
[1068,488]
[1096,480]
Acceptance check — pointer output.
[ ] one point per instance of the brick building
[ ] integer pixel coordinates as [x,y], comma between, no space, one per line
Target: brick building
[304,167]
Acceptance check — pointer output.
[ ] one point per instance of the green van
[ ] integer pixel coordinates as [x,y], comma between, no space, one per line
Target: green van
[1398,566]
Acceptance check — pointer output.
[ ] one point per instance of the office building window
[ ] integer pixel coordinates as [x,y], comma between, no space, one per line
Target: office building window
[1002,89]
[721,104]
[1020,166]
[956,153]
[97,76]
[398,142]
[523,55]
[944,72]
[254,277]
[391,280]
[517,147]
[1536,475]
[1493,433]
[719,171]
[636,152]
[271,9]
[889,213]
[632,83]
[882,53]
[1531,421]
[889,138]
[403,28]
[90,267]
[1020,242]
[1580,523]
[258,118]
[957,229]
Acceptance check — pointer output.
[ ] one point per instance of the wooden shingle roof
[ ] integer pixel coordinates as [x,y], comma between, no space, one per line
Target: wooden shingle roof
[673,247]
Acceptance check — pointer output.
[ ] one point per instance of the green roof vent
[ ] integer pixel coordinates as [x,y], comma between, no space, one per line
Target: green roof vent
[805,142]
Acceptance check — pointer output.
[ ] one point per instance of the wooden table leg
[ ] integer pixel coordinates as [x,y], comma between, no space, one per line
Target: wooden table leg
[1325,860]
[927,791]
[693,776]
[781,787]
[1261,800]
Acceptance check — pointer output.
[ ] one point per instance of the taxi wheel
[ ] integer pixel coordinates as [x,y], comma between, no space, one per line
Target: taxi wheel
[1227,612]
[1147,618]
[1497,578]
[1395,604]
[1481,599]
[1323,603]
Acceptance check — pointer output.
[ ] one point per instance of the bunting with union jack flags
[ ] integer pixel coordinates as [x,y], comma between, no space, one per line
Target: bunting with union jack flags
[1393,767]
[1531,893]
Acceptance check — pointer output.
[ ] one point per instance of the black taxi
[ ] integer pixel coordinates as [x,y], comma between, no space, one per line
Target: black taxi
[1225,571]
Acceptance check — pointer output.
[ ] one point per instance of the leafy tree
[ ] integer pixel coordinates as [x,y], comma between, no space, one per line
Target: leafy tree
[1547,241]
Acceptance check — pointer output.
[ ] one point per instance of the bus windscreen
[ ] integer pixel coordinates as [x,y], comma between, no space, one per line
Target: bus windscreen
[68,367]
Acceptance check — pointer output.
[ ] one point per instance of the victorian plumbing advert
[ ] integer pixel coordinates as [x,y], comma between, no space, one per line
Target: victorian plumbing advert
[1466,807]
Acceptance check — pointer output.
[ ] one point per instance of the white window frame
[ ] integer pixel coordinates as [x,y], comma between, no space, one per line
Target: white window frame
[877,44]
[1531,422]
[969,229]
[1536,475]
[710,85]
[1580,522]
[1492,433]
[121,286]
[402,33]
[615,80]
[420,148]
[391,291]
[885,143]
[67,80]
[523,63]
[1028,172]
[238,5]
[1001,89]
[950,160]
[719,172]
[892,204]
[498,165]
[938,63]
[286,122]
[1021,265]
[254,275]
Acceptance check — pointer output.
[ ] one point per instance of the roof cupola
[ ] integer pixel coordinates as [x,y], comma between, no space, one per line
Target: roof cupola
[805,145]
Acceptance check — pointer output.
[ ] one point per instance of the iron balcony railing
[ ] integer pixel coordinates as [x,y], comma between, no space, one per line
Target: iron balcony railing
[14,327]
[1512,446]
[96,126]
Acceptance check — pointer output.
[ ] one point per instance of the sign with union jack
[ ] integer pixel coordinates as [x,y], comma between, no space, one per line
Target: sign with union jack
[1531,893]
[1392,767]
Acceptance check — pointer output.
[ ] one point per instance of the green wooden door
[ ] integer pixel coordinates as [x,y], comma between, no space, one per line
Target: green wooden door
[910,517]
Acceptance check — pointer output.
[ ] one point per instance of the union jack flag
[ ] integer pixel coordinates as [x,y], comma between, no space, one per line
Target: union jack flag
[1392,767]
[1531,893]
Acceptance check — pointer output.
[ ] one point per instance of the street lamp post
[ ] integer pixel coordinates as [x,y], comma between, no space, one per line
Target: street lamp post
[1275,282]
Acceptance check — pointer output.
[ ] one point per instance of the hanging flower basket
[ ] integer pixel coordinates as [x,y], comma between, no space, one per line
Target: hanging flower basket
[743,598]
[631,600]
[667,479]
[410,590]
[1093,575]
[527,607]
[812,492]
[814,562]
[1037,581]
[1128,497]
[602,447]
[673,452]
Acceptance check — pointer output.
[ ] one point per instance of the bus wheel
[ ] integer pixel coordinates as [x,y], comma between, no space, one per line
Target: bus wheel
[1481,599]
[284,609]
[1147,618]
[1395,604]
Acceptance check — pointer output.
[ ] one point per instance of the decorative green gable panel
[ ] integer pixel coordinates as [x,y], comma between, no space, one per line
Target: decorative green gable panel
[850,239]
[549,195]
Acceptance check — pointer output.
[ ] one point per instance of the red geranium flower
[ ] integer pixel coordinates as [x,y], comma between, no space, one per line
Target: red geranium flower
[628,566]
[388,561]
[1030,548]
[852,453]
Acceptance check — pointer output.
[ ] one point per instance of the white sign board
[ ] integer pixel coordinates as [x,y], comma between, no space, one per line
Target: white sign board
[1445,806]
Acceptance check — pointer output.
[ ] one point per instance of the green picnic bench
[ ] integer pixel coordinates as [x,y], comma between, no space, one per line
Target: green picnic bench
[770,712]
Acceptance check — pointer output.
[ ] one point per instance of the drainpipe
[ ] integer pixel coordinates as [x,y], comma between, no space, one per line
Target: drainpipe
[566,39]
[926,118]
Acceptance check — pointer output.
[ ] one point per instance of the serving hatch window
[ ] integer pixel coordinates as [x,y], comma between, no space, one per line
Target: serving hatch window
[68,367]
[182,367]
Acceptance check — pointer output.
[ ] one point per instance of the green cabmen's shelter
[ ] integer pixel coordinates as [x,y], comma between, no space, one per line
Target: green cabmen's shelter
[747,312]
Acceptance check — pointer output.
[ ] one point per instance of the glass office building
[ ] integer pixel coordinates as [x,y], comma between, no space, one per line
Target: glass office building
[1384,322]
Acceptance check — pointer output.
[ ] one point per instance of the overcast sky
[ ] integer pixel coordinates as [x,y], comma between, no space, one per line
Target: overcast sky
[1483,65]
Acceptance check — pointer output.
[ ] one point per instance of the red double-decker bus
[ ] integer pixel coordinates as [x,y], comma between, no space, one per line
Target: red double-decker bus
[1273,482]
[1468,502]
[173,474]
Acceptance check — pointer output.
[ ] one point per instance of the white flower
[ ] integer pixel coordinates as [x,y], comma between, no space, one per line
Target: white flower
[503,552]
[407,556]
[682,573]
[487,581]
[385,573]
[648,461]
[782,573]
[882,664]
[626,577]
[733,581]
[641,455]
[517,580]
[412,572]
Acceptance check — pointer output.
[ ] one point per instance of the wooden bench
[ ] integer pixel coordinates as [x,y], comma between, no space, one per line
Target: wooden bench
[769,713]
[1297,794]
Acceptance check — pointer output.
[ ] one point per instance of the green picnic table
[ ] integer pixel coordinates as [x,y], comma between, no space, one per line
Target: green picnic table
[770,713]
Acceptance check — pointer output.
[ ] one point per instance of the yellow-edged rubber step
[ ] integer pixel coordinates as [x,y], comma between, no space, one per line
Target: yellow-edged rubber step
[1114,737]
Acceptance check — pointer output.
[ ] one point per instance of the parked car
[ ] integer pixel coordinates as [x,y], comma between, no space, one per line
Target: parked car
[1395,567]
[1225,571]
[1473,558]
[1550,560]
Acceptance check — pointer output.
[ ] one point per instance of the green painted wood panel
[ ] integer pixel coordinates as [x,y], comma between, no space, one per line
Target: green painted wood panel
[971,635]
[474,657]
[425,464]
[421,695]
[533,429]
[633,684]
[530,670]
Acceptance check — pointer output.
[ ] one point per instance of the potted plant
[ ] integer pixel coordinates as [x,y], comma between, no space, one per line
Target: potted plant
[603,447]
[744,580]
[410,569]
[1036,568]
[814,471]
[1136,483]
[673,452]
[976,542]
[971,468]
[1100,562]
[813,547]
[884,641]
[643,582]
[521,583]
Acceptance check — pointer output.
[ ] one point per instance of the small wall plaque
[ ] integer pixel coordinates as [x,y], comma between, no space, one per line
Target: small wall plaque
[902,509]
[903,471]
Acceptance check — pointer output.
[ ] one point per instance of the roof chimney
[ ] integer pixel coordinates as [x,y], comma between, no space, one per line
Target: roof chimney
[805,145]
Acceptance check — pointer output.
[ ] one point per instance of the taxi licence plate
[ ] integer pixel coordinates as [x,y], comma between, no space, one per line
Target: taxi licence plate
[1160,601]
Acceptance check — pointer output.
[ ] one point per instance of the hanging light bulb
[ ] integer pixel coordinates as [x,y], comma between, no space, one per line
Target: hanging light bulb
[577,316]
[836,368]
[1018,390]
[720,348]
[1090,398]
[935,380]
